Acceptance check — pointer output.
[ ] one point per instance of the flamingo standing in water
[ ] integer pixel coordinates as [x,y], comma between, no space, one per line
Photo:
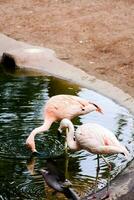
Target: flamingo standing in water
[59,107]
[94,138]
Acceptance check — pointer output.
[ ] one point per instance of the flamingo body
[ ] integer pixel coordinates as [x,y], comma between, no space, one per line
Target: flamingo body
[67,106]
[59,107]
[93,138]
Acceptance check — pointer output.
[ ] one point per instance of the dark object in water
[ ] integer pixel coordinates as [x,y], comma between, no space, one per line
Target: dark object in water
[57,181]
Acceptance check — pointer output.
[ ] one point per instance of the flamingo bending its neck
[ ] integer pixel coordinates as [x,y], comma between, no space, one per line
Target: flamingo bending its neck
[59,107]
[94,138]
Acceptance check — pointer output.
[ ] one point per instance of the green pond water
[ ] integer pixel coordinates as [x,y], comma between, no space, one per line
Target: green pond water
[22,98]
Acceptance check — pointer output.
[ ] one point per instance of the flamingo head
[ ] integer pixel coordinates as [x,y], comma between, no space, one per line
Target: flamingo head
[30,144]
[64,124]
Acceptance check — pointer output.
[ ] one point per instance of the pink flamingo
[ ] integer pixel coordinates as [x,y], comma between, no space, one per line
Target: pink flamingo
[59,107]
[95,139]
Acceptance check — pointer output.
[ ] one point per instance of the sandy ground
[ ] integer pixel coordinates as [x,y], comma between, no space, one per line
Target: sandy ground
[94,35]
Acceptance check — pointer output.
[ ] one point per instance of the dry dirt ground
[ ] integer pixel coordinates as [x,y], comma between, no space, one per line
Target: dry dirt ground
[94,35]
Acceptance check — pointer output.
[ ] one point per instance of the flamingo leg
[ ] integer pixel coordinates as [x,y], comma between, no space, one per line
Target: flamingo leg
[66,152]
[66,157]
[97,175]
[66,167]
[109,177]
[109,166]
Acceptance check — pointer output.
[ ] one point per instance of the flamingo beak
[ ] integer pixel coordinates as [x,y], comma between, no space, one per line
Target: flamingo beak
[60,130]
[98,109]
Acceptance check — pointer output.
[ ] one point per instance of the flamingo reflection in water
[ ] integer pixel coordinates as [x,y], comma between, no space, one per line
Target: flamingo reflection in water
[57,108]
[95,139]
[54,178]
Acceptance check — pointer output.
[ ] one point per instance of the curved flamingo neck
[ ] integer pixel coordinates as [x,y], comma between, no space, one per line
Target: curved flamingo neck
[30,140]
[72,144]
[46,125]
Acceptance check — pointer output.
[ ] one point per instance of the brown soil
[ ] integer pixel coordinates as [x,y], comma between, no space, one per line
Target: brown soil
[94,35]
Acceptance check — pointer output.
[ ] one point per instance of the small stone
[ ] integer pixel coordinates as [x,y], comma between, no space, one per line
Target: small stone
[80,41]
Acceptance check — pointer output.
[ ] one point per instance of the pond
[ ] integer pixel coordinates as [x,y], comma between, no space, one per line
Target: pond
[22,98]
